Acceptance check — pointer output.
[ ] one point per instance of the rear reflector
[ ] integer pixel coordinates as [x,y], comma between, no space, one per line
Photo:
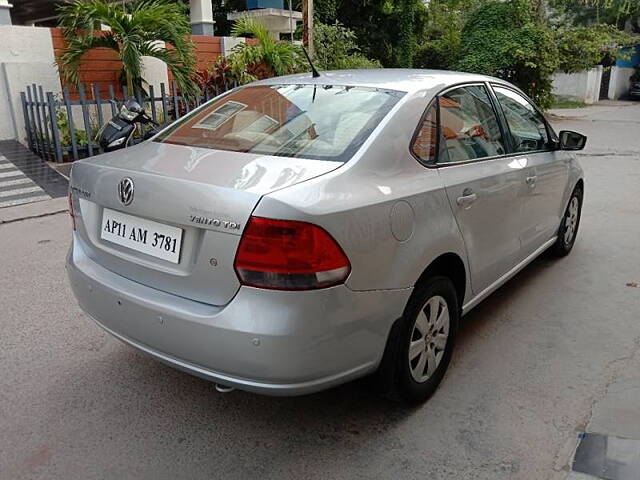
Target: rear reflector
[289,255]
[71,212]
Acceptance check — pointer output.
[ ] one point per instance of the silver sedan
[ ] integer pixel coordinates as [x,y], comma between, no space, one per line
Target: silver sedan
[297,233]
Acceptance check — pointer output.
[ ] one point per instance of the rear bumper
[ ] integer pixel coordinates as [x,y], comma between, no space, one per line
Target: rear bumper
[270,342]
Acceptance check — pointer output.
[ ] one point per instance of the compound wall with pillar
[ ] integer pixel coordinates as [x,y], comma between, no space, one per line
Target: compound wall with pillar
[26,57]
[201,14]
[28,54]
[582,86]
[5,16]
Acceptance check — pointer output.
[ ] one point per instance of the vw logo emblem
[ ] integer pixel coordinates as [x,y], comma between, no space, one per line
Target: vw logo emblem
[125,191]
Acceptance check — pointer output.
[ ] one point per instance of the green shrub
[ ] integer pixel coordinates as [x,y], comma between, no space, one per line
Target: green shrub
[440,49]
[504,39]
[336,48]
[582,48]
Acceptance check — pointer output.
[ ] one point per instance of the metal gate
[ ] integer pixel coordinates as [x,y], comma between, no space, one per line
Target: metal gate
[604,84]
[54,135]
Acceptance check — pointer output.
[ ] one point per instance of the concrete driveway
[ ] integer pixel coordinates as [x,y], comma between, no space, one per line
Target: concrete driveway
[533,363]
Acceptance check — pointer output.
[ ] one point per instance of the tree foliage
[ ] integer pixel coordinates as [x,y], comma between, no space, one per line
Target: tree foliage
[440,46]
[326,11]
[509,39]
[220,10]
[581,48]
[406,35]
[336,48]
[505,39]
[135,30]
[623,14]
[387,30]
[522,41]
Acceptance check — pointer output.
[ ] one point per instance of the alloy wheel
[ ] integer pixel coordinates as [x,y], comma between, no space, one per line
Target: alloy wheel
[429,338]
[571,220]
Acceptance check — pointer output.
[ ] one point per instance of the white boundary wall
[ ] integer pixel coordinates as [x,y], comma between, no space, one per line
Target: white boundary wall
[582,86]
[619,83]
[229,43]
[26,57]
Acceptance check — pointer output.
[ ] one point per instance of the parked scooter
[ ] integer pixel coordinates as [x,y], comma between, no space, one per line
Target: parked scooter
[118,132]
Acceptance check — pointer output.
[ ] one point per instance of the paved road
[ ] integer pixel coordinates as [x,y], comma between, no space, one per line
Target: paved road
[25,178]
[532,362]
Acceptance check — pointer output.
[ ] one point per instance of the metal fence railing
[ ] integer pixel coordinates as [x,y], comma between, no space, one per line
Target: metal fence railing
[51,121]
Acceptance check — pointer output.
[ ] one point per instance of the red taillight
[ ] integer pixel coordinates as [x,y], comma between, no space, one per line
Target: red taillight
[289,255]
[71,212]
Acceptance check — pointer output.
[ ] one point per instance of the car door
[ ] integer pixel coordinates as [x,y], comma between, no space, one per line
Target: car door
[546,171]
[483,184]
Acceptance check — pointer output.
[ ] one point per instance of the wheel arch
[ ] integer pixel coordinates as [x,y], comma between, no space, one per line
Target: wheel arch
[449,265]
[579,183]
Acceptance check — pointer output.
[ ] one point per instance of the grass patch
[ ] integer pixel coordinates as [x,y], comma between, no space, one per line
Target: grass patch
[566,103]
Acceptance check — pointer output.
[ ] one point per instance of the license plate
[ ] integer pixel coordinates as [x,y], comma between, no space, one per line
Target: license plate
[145,236]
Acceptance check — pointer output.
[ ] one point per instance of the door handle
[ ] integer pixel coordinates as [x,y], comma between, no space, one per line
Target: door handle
[467,199]
[531,181]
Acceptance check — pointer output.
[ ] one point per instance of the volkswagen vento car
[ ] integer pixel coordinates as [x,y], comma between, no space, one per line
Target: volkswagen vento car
[297,233]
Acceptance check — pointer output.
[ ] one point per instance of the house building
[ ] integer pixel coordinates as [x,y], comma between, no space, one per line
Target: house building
[42,13]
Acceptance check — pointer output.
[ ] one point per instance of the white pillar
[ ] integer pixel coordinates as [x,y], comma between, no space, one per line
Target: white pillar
[5,16]
[201,17]
[229,43]
[154,70]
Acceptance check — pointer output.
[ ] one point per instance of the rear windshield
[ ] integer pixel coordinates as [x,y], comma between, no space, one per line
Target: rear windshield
[324,122]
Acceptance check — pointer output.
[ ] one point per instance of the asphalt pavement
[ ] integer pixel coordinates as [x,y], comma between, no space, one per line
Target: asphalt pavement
[537,364]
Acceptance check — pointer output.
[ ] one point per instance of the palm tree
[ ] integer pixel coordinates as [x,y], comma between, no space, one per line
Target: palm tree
[135,29]
[266,59]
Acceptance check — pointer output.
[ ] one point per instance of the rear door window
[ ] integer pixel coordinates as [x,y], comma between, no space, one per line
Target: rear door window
[325,122]
[468,125]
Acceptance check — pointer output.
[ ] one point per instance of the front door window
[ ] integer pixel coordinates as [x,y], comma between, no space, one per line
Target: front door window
[527,126]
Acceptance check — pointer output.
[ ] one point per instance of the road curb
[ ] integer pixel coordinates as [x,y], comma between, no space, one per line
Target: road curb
[33,210]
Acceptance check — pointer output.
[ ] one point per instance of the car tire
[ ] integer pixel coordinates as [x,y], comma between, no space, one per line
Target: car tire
[569,226]
[421,342]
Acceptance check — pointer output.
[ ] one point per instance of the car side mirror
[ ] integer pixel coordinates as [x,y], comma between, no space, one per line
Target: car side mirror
[572,140]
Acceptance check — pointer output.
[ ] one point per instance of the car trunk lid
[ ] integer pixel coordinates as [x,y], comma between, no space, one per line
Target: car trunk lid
[208,194]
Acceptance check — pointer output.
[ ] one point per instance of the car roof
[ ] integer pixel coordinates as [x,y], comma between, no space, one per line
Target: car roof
[406,80]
